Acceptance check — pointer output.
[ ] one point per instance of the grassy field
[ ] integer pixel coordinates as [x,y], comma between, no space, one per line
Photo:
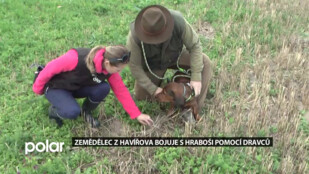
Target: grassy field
[260,87]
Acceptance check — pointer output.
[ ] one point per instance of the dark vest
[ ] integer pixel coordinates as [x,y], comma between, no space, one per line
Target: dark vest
[77,78]
[164,55]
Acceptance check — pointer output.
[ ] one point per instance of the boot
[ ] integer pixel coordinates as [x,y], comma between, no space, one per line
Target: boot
[87,107]
[52,113]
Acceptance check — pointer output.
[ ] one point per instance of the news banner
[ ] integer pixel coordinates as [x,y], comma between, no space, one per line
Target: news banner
[174,142]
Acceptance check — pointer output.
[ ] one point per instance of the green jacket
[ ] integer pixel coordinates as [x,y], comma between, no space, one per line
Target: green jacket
[164,55]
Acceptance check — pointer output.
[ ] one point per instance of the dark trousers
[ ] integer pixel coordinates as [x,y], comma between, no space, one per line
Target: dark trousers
[65,103]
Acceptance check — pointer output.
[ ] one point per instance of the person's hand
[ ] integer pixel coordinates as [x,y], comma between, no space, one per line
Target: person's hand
[145,119]
[197,85]
[158,91]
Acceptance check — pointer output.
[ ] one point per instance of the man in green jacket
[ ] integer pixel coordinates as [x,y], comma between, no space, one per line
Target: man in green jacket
[160,39]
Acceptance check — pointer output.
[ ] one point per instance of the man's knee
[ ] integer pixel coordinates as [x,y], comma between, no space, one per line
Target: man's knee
[143,97]
[141,94]
[207,62]
[207,70]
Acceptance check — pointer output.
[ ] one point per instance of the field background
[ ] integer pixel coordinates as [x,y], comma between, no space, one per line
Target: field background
[260,87]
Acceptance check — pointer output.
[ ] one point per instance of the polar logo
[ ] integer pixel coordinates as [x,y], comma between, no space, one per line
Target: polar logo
[41,147]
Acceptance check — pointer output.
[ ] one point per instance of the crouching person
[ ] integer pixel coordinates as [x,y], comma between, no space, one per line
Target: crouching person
[90,74]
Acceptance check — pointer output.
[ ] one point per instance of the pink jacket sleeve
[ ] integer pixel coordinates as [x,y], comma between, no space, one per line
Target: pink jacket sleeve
[123,95]
[66,62]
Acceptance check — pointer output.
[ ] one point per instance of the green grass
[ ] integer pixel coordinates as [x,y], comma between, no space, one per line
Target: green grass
[37,31]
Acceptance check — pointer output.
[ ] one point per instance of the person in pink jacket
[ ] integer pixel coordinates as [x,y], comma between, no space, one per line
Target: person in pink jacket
[86,73]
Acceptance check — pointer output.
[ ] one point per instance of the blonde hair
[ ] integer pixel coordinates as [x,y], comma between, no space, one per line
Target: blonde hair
[90,57]
[111,52]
